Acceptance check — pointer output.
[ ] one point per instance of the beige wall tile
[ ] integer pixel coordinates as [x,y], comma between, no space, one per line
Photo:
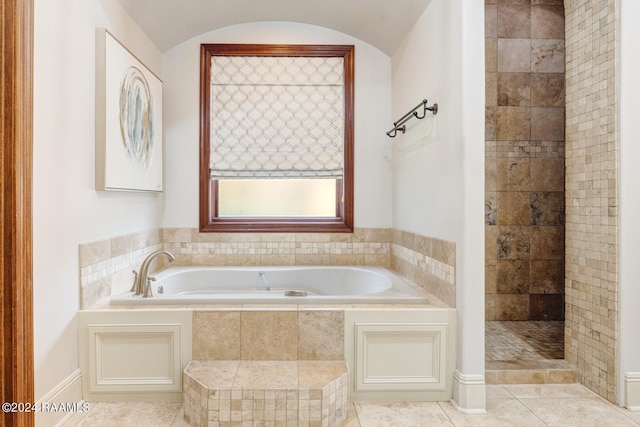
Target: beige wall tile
[547,90]
[381,260]
[547,56]
[94,292]
[512,307]
[547,22]
[514,21]
[321,335]
[346,259]
[547,124]
[514,55]
[491,20]
[94,252]
[547,174]
[514,208]
[547,242]
[177,235]
[513,123]
[513,174]
[269,335]
[491,123]
[216,335]
[514,242]
[513,89]
[512,276]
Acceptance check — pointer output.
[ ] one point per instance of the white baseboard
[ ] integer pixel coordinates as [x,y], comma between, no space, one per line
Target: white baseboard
[632,391]
[469,394]
[69,392]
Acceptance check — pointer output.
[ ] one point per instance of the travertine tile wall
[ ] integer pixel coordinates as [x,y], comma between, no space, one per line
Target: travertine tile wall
[295,334]
[427,261]
[524,135]
[591,330]
[106,265]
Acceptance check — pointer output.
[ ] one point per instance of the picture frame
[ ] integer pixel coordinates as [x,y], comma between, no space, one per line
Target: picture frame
[128,120]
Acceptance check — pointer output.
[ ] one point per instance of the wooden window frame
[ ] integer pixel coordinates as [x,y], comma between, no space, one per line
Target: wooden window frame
[209,220]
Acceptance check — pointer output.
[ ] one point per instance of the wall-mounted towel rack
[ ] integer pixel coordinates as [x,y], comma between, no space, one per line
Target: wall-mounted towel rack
[400,124]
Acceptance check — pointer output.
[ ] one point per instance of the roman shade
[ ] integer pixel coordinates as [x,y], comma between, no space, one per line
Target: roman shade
[277,117]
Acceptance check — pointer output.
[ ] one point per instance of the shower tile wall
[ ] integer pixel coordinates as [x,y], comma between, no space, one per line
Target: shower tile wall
[524,135]
[591,326]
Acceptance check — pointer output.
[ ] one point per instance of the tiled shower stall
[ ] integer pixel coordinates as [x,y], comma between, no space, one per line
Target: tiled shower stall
[547,59]
[525,97]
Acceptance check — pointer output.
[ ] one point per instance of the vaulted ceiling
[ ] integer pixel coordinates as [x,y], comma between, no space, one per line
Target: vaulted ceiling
[381,23]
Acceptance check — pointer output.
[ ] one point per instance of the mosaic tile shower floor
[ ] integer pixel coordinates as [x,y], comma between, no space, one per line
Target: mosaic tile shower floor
[527,352]
[524,340]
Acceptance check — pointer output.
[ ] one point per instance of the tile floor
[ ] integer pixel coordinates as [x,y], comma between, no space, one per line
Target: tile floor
[527,352]
[524,340]
[509,406]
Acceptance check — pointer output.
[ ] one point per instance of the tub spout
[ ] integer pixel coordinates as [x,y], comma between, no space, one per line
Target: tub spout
[142,282]
[263,276]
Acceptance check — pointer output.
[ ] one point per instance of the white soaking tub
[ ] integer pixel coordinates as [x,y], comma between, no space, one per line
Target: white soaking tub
[277,285]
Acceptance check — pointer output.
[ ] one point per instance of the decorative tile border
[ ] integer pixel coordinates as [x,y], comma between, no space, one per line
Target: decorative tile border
[533,149]
[366,246]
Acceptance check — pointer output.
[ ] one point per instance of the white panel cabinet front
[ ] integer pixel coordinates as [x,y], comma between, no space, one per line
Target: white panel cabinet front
[134,357]
[406,354]
[400,356]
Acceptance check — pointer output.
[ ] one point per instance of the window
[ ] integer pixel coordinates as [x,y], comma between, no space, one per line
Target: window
[276,138]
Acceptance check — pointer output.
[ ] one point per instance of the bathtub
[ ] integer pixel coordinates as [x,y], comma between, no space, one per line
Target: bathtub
[277,285]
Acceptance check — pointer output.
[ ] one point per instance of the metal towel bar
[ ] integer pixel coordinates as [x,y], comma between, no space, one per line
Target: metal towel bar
[400,123]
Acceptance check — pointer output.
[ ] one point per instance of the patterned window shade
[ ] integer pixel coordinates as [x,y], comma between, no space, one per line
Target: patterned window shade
[277,117]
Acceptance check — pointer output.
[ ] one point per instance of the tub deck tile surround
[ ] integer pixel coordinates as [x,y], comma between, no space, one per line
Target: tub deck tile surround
[302,393]
[105,265]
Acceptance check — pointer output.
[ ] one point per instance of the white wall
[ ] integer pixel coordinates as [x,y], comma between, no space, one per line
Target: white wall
[629,132]
[372,116]
[66,208]
[438,180]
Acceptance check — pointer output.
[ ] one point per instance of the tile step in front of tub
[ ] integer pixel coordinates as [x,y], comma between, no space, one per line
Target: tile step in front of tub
[531,372]
[220,393]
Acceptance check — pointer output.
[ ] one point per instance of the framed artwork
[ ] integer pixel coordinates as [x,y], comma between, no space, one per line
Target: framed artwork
[128,120]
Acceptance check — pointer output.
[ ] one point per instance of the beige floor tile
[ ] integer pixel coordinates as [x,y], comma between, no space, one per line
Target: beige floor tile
[179,419]
[577,412]
[401,414]
[500,413]
[125,414]
[352,418]
[498,392]
[527,391]
[635,416]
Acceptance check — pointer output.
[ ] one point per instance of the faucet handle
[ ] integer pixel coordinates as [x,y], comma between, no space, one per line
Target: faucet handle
[135,279]
[148,292]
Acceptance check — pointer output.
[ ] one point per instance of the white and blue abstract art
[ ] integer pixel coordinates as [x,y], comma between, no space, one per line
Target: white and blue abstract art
[128,120]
